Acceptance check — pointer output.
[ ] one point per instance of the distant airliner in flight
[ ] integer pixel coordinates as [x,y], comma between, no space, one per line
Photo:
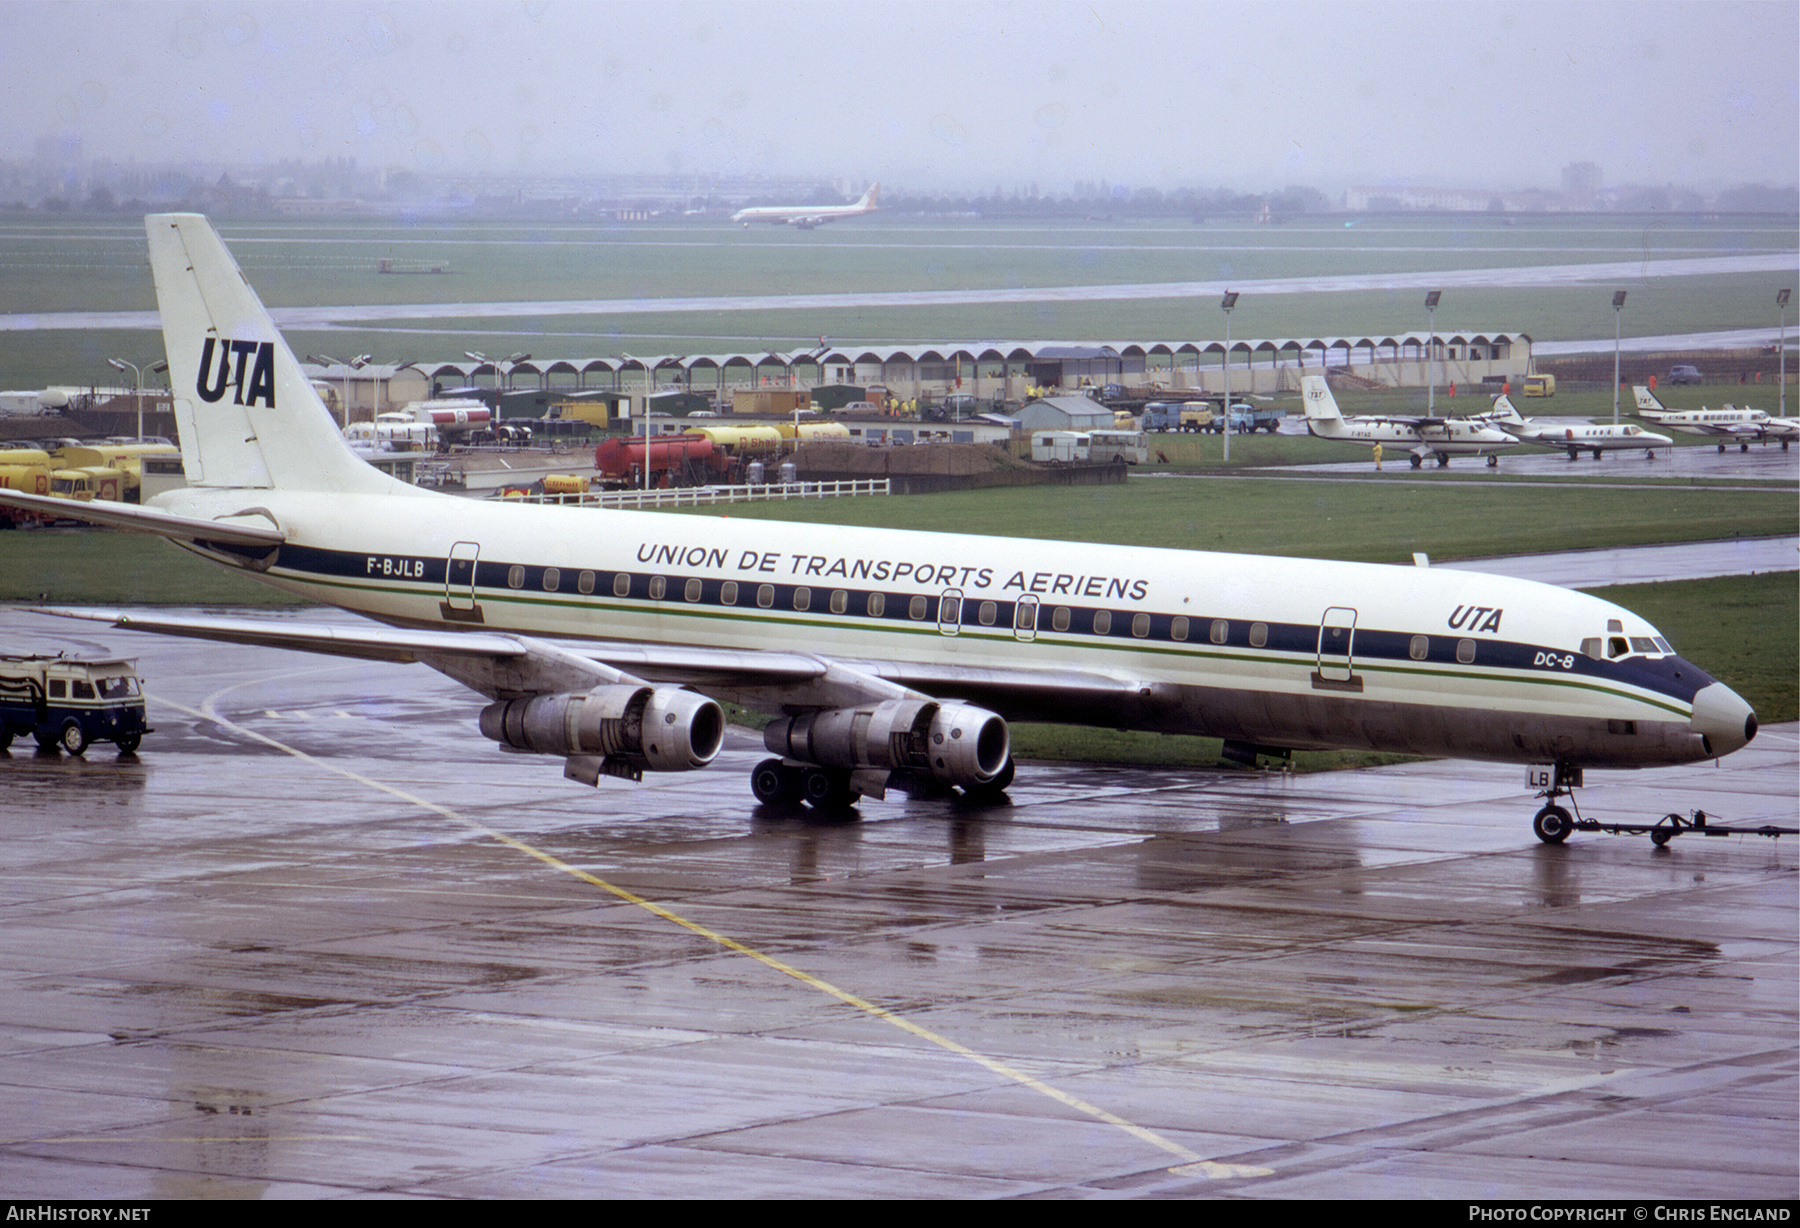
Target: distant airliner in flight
[808,216]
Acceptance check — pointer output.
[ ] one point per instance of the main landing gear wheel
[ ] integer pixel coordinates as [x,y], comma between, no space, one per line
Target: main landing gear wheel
[1417,461]
[1553,825]
[1443,460]
[827,788]
[775,783]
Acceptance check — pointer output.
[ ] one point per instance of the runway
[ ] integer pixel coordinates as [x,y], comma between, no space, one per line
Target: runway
[320,939]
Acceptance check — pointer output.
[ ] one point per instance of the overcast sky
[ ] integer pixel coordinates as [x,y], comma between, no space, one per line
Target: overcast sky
[927,96]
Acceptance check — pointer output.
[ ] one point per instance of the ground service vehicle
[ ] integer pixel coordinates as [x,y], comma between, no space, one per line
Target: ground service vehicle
[71,702]
[1168,416]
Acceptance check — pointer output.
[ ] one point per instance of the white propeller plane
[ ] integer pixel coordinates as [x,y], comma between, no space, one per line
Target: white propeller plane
[1572,436]
[1421,437]
[604,638]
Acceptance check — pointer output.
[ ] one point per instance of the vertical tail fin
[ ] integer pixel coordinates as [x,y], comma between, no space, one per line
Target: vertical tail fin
[867,202]
[1505,412]
[246,414]
[1321,406]
[1646,400]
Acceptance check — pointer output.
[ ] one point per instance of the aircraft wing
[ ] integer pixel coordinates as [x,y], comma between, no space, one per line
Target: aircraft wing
[499,663]
[233,532]
[349,639]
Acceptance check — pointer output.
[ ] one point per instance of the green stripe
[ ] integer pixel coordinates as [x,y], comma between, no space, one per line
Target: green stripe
[761,616]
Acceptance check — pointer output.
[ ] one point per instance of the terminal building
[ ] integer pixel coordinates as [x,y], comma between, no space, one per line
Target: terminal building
[1016,370]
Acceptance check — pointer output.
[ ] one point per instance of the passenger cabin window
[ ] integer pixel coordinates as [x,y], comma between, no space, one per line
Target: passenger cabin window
[1102,622]
[950,611]
[1059,618]
[515,576]
[1178,628]
[584,583]
[1220,630]
[985,612]
[840,601]
[728,593]
[915,609]
[765,595]
[552,579]
[692,589]
[1465,651]
[877,604]
[1419,647]
[1140,625]
[1259,634]
[622,584]
[659,585]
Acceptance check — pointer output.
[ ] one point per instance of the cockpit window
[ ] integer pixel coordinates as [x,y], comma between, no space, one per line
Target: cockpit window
[1643,643]
[1591,647]
[1664,644]
[1616,647]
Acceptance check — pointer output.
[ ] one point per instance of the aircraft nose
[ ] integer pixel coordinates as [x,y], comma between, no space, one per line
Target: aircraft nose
[1722,718]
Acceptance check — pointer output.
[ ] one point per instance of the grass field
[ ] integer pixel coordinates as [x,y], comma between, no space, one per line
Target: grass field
[84,264]
[1366,522]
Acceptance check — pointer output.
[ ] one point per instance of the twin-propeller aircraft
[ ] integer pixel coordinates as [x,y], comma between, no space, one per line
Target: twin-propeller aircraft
[1727,424]
[606,638]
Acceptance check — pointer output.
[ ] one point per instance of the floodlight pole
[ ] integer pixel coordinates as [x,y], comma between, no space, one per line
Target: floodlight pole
[1618,310]
[1431,302]
[1781,301]
[646,365]
[1226,304]
[137,389]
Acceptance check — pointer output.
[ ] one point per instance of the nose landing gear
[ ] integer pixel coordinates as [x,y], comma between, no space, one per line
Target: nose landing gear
[1553,824]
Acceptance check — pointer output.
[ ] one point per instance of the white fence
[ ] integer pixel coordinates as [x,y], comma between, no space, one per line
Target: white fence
[694,496]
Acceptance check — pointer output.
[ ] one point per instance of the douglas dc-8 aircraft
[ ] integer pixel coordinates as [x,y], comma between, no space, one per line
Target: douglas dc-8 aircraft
[808,216]
[605,637]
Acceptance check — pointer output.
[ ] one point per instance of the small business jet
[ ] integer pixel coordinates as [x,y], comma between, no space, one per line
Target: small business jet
[606,638]
[806,217]
[1422,437]
[1573,437]
[1727,424]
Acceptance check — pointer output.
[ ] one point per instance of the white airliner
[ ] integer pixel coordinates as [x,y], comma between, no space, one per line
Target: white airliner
[808,216]
[1726,424]
[1421,437]
[605,637]
[1573,437]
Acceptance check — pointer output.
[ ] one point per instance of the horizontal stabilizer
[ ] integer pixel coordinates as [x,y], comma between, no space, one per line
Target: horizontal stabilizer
[232,532]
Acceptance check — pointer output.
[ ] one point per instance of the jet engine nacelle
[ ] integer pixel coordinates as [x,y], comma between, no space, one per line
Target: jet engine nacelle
[664,729]
[957,743]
